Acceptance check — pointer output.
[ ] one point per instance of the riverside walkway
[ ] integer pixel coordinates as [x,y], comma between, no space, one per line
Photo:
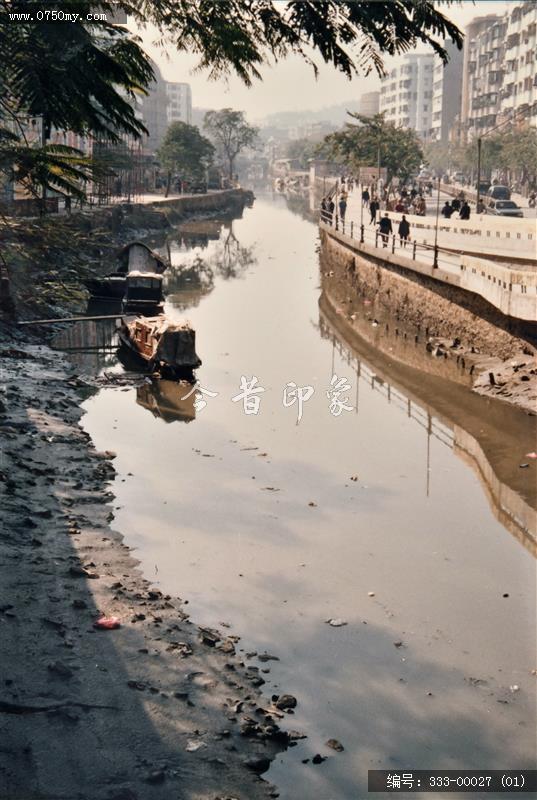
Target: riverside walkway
[509,285]
[510,240]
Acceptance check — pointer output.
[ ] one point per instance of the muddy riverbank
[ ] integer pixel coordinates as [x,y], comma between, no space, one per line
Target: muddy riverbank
[155,708]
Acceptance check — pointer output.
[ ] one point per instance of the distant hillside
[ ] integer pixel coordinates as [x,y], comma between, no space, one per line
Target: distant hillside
[337,114]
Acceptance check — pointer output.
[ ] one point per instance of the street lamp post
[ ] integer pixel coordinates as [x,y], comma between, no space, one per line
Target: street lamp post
[478,170]
[435,258]
[361,206]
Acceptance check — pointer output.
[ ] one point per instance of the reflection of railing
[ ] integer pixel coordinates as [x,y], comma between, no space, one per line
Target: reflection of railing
[412,409]
[512,509]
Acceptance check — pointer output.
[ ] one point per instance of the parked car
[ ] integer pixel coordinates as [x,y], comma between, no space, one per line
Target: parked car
[499,192]
[459,177]
[504,208]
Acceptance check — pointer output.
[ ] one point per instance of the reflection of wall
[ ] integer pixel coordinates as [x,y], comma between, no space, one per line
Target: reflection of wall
[512,510]
[486,434]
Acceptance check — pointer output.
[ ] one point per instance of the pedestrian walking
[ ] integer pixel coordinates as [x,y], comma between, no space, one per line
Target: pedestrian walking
[385,228]
[330,211]
[373,208]
[324,204]
[456,204]
[447,211]
[464,213]
[365,197]
[342,205]
[480,207]
[403,231]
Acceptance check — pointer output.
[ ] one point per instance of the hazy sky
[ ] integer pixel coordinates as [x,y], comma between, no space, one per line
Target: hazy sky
[290,85]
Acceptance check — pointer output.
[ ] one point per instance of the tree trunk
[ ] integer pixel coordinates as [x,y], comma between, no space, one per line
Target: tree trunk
[43,144]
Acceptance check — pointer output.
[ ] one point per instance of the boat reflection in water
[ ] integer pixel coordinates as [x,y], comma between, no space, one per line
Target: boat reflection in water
[446,410]
[171,401]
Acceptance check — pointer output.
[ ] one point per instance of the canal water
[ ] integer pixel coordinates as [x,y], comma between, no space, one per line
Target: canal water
[371,510]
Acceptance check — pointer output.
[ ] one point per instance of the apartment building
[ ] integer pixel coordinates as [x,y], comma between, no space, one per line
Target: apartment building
[153,108]
[179,102]
[499,70]
[518,93]
[485,61]
[447,93]
[406,93]
[369,104]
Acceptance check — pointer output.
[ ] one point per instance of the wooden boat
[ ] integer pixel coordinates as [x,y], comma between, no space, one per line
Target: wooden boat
[109,287]
[167,347]
[138,257]
[135,257]
[143,292]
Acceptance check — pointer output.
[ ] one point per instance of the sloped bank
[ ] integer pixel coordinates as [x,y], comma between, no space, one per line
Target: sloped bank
[494,354]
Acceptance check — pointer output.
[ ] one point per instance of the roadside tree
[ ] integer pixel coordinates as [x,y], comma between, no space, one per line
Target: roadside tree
[231,134]
[77,77]
[185,151]
[242,37]
[374,141]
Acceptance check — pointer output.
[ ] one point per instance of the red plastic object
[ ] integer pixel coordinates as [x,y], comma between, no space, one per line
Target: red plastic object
[107,623]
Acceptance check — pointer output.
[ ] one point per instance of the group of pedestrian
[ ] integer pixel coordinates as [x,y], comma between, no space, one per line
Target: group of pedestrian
[386,228]
[456,206]
[328,206]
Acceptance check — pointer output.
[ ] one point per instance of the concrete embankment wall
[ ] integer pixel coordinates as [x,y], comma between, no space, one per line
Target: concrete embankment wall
[513,291]
[191,204]
[434,306]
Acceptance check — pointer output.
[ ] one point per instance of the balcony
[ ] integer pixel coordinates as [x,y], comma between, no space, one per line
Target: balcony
[513,40]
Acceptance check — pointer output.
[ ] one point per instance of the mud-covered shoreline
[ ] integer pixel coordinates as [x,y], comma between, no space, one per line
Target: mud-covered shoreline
[156,708]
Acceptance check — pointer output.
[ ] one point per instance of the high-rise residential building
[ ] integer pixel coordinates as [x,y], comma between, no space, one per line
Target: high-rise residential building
[180,102]
[484,80]
[369,104]
[518,93]
[480,28]
[154,111]
[406,94]
[447,91]
[499,72]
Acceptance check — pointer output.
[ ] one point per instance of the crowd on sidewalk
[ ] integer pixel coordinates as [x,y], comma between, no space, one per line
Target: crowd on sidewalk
[377,198]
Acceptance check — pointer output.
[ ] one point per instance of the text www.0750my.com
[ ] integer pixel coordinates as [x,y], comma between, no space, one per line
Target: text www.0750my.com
[55,15]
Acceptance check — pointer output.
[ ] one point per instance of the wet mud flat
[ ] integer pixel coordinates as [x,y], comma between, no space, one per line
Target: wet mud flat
[156,708]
